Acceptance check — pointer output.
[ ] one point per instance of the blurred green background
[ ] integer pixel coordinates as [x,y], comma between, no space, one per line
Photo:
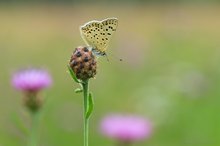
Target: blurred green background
[169,73]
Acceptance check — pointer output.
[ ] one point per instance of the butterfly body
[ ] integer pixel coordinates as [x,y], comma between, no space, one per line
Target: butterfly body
[97,34]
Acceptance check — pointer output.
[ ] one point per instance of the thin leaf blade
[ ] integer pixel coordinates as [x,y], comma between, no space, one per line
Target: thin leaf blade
[19,124]
[78,90]
[90,106]
[73,74]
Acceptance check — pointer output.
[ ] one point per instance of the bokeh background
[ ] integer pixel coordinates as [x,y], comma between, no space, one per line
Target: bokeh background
[169,73]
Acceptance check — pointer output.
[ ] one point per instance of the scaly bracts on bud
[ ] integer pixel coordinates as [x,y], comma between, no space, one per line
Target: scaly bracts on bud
[83,63]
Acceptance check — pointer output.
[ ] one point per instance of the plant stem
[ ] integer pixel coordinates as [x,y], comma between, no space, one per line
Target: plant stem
[85,85]
[34,127]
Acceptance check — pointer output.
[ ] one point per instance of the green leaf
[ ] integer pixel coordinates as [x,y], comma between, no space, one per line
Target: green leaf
[17,121]
[90,108]
[78,90]
[73,74]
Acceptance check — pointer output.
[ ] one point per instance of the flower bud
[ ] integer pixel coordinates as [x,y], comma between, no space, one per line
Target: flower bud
[32,101]
[83,63]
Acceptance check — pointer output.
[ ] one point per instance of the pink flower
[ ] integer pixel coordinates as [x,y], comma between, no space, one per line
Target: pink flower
[31,80]
[126,128]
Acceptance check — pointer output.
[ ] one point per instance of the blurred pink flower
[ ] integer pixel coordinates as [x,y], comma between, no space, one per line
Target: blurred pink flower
[31,79]
[126,128]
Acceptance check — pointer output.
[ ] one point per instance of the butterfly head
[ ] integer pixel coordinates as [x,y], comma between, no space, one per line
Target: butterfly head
[98,53]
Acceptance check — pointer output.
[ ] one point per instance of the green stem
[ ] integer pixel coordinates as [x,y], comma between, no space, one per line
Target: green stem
[85,85]
[34,127]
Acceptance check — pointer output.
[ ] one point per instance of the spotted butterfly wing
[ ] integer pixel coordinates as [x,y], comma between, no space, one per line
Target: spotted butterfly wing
[97,34]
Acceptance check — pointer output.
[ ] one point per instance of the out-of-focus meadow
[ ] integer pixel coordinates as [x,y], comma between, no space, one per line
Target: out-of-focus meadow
[169,73]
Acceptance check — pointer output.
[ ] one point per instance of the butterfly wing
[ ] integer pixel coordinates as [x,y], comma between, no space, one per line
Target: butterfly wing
[90,32]
[109,28]
[97,34]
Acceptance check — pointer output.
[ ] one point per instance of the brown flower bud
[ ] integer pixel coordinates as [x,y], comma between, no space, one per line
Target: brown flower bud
[83,63]
[32,101]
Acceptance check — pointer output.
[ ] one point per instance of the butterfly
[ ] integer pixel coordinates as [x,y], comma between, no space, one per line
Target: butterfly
[97,34]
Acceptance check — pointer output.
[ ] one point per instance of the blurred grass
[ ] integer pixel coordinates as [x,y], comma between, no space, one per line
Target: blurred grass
[170,71]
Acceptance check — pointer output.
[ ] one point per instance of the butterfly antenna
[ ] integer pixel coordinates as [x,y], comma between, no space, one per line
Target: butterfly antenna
[114,56]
